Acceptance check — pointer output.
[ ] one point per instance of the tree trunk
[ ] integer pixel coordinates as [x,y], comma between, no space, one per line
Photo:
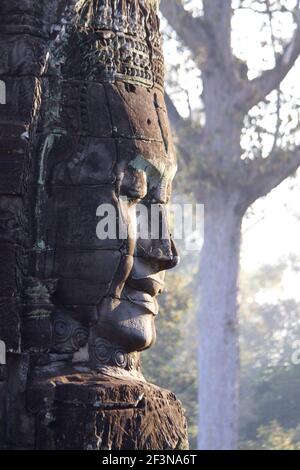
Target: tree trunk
[218,325]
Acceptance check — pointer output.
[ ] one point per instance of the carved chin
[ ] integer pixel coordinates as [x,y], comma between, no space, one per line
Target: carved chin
[138,334]
[127,325]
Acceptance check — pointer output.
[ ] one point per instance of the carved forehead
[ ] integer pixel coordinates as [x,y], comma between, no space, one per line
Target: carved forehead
[109,126]
[139,116]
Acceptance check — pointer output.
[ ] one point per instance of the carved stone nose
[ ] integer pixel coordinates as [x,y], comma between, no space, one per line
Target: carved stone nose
[167,256]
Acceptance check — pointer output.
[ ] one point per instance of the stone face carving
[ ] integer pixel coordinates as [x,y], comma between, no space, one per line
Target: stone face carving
[84,124]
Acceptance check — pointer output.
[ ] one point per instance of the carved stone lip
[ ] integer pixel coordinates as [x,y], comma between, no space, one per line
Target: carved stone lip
[152,284]
[144,300]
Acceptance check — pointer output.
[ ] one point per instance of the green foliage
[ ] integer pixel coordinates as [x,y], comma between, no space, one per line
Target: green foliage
[270,395]
[274,437]
[269,408]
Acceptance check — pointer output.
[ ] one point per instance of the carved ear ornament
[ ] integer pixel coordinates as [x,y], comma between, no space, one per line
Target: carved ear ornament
[104,353]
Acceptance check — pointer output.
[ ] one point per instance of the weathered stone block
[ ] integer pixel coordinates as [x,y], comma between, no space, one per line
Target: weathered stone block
[10,323]
[27,7]
[21,55]
[12,219]
[20,426]
[21,17]
[94,271]
[85,110]
[22,103]
[36,328]
[2,411]
[11,267]
[96,412]
[3,371]
[133,111]
[76,218]
[77,160]
[14,165]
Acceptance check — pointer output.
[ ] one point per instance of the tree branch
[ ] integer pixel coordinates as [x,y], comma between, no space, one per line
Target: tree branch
[218,15]
[264,175]
[191,30]
[256,90]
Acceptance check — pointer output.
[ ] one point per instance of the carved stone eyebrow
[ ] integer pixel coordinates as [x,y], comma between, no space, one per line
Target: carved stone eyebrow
[155,170]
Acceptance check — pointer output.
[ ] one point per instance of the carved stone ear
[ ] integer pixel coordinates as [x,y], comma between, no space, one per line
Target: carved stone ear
[69,335]
[36,290]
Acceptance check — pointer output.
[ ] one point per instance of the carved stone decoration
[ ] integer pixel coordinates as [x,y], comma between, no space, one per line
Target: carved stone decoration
[83,123]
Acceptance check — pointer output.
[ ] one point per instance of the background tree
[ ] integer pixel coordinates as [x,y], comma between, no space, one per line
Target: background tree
[236,159]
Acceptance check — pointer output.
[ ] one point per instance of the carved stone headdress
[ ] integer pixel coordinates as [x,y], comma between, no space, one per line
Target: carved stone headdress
[128,46]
